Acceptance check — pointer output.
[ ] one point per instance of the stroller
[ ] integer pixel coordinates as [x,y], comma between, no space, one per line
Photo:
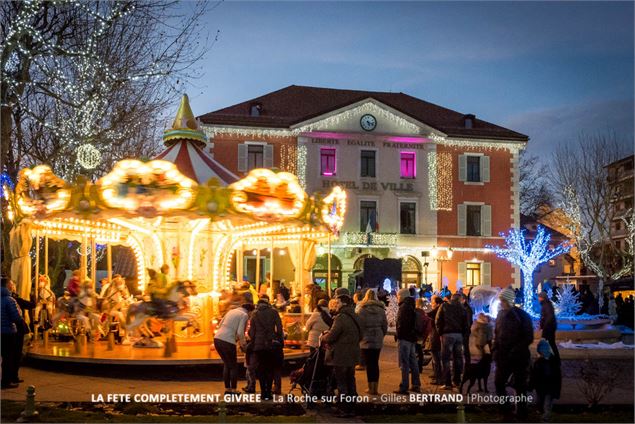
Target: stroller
[313,378]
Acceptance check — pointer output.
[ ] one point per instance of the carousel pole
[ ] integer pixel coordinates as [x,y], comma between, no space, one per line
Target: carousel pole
[301,266]
[37,278]
[328,268]
[46,255]
[271,267]
[258,270]
[93,261]
[109,261]
[84,258]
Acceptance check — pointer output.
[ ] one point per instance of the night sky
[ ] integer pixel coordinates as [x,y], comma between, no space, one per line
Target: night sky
[549,70]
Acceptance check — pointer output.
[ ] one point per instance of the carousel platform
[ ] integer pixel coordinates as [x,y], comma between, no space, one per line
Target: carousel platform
[98,353]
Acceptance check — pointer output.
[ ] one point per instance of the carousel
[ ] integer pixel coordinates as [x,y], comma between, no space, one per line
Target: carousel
[189,223]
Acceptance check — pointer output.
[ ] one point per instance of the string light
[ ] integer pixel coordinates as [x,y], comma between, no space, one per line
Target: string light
[440,180]
[360,239]
[88,156]
[477,143]
[301,168]
[288,158]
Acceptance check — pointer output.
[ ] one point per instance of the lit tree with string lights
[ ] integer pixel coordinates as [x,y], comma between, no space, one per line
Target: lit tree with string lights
[85,83]
[528,255]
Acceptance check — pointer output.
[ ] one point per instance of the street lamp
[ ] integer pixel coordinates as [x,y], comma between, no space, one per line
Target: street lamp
[440,258]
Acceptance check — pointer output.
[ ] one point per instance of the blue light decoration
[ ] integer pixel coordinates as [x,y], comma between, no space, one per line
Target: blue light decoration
[528,255]
[5,180]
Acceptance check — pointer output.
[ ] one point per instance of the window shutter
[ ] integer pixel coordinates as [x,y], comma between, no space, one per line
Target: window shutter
[242,157]
[462,168]
[486,220]
[462,272]
[484,169]
[461,209]
[486,274]
[268,161]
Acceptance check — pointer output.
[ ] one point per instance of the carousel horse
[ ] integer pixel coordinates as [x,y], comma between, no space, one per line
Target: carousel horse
[85,309]
[170,306]
[45,301]
[115,302]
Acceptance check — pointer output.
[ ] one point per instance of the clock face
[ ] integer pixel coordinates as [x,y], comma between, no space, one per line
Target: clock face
[368,122]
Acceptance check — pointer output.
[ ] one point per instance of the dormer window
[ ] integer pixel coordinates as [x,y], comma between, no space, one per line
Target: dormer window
[469,121]
[255,109]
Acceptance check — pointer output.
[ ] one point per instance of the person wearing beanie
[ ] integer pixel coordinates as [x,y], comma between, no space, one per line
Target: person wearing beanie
[342,352]
[548,323]
[231,330]
[406,342]
[451,324]
[267,337]
[513,335]
[341,290]
[546,378]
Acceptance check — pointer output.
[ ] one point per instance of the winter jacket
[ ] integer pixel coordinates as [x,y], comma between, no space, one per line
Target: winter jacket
[546,377]
[512,336]
[315,325]
[548,322]
[451,318]
[406,317]
[482,333]
[469,316]
[265,328]
[434,341]
[372,319]
[343,339]
[73,286]
[232,326]
[10,313]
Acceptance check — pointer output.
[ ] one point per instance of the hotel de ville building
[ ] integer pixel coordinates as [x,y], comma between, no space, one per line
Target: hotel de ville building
[426,184]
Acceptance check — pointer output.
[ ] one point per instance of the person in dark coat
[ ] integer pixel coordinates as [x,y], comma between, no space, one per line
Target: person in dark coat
[451,323]
[434,342]
[267,338]
[24,305]
[10,320]
[343,351]
[406,341]
[374,324]
[548,323]
[513,335]
[546,378]
[469,315]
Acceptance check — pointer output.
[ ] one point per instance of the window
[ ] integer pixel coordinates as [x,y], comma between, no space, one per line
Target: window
[327,161]
[367,214]
[408,169]
[255,156]
[473,220]
[255,109]
[407,215]
[368,163]
[474,169]
[552,262]
[472,274]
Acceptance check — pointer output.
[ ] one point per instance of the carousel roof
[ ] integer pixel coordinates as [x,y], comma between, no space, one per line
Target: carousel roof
[185,142]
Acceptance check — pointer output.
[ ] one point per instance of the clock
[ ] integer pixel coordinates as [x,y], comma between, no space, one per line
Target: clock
[368,122]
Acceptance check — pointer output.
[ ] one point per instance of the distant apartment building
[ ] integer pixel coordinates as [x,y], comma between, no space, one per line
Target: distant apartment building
[622,182]
[426,184]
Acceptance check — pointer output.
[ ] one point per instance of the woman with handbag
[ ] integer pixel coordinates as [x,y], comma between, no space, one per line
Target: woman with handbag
[232,329]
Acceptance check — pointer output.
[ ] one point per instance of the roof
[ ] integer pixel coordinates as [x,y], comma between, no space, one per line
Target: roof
[195,163]
[526,220]
[620,161]
[295,104]
[185,126]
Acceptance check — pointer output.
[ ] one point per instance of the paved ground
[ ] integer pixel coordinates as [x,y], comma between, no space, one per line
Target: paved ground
[80,384]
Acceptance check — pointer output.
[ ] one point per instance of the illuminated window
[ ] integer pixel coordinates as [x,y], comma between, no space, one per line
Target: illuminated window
[407,217]
[473,220]
[327,161]
[367,215]
[408,168]
[368,163]
[474,168]
[255,156]
[472,274]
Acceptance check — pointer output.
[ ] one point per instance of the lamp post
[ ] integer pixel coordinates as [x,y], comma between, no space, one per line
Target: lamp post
[425,254]
[440,258]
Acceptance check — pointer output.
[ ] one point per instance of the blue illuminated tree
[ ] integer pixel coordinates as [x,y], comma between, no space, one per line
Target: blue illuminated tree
[527,255]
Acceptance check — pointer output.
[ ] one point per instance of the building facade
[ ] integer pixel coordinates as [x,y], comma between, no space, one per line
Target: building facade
[425,184]
[621,180]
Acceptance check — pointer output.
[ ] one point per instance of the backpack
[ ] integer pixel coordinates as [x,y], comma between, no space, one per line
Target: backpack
[422,324]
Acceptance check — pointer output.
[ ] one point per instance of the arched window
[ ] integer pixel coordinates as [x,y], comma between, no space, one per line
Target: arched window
[320,271]
[359,262]
[410,271]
